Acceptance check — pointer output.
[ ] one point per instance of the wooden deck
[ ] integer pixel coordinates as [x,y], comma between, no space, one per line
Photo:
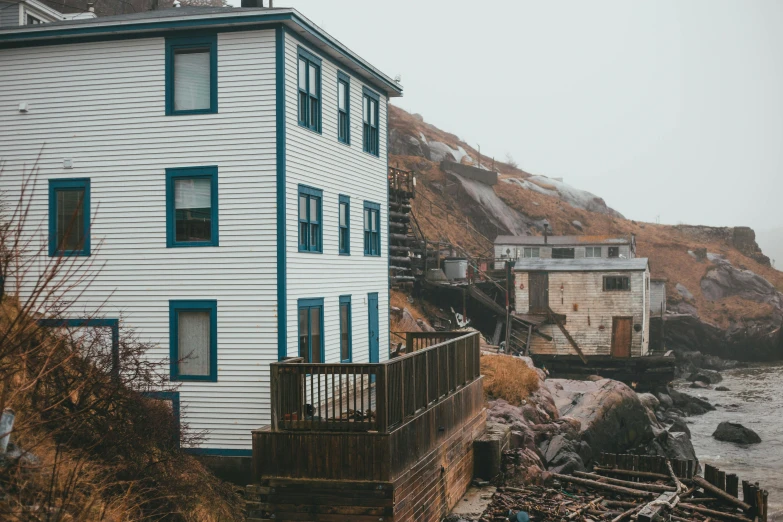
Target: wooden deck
[408,456]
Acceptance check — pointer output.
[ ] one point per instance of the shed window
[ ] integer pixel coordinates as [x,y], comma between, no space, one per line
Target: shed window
[69,217]
[191,207]
[343,108]
[344,217]
[345,328]
[311,314]
[31,20]
[372,226]
[617,283]
[592,251]
[531,252]
[614,251]
[310,230]
[309,82]
[191,75]
[562,253]
[370,103]
[193,338]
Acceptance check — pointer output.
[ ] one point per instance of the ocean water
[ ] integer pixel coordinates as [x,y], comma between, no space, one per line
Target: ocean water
[755,400]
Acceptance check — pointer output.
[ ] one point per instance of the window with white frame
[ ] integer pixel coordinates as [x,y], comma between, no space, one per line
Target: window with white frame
[531,252]
[592,251]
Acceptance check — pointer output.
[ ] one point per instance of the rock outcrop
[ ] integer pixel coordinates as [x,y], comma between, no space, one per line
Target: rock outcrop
[737,433]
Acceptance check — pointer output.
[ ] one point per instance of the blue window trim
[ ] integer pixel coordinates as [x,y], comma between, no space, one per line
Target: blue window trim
[317,302]
[370,249]
[310,192]
[346,80]
[367,145]
[346,200]
[186,43]
[210,172]
[188,306]
[69,184]
[176,409]
[311,59]
[346,300]
[113,324]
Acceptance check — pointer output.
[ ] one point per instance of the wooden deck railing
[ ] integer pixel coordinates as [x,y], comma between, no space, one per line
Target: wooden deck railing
[370,397]
[415,341]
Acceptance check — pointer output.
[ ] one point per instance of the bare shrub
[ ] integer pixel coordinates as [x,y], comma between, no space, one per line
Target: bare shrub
[88,442]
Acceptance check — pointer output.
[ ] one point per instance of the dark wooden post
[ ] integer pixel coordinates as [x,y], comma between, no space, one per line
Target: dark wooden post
[273,393]
[382,399]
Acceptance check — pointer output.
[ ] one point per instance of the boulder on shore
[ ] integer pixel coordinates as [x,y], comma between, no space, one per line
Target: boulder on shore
[611,415]
[707,376]
[737,433]
[689,404]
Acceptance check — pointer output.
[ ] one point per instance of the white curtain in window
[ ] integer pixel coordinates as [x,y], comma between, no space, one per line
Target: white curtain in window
[192,193]
[193,343]
[191,81]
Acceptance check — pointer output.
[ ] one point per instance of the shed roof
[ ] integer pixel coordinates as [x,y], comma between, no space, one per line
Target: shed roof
[561,240]
[179,19]
[538,264]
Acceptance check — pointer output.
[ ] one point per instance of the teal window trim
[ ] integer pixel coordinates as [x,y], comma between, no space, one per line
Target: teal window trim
[192,306]
[308,304]
[370,124]
[344,115]
[174,45]
[372,238]
[311,230]
[344,231]
[308,102]
[173,174]
[345,301]
[56,185]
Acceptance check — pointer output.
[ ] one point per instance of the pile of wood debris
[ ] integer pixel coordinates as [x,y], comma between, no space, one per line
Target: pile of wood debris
[631,487]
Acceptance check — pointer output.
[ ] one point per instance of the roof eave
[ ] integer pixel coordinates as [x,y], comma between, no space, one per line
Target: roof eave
[138,28]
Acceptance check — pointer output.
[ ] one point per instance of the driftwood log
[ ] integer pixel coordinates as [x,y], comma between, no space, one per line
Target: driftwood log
[658,488]
[713,513]
[709,488]
[601,485]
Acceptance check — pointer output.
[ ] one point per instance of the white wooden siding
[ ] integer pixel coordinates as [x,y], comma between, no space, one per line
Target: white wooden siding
[103,105]
[321,161]
[595,309]
[9,14]
[657,298]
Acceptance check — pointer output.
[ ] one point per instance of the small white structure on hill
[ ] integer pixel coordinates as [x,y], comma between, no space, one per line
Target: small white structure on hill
[565,247]
[602,303]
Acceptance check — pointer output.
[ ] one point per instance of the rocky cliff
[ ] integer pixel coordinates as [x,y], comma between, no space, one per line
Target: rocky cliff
[724,295]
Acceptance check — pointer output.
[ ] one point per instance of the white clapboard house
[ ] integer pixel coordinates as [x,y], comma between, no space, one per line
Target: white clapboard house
[226,169]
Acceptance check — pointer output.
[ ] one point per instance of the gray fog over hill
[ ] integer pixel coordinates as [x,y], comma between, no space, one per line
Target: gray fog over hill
[771,243]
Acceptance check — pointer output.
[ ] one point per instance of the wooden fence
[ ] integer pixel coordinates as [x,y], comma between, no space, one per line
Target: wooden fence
[371,397]
[415,341]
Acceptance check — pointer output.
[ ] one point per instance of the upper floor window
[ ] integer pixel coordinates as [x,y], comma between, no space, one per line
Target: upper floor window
[343,108]
[193,340]
[370,102]
[344,217]
[311,330]
[562,253]
[32,20]
[614,251]
[309,83]
[310,230]
[531,252]
[372,229]
[345,329]
[592,251]
[191,75]
[69,217]
[192,207]
[617,283]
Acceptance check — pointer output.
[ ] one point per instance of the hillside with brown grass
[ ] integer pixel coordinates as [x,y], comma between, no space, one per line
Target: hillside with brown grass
[445,212]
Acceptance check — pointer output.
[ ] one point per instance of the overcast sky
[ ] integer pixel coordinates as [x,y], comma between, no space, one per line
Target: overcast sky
[665,108]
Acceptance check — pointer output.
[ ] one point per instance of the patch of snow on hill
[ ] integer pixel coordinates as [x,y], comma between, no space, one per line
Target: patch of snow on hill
[495,208]
[440,151]
[573,196]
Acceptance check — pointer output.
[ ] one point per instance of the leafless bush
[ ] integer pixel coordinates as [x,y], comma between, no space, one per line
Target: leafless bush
[89,443]
[510,161]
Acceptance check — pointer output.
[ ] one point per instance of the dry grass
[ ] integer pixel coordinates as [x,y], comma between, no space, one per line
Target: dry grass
[508,378]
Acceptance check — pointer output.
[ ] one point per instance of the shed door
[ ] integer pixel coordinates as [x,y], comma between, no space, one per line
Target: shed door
[539,291]
[621,336]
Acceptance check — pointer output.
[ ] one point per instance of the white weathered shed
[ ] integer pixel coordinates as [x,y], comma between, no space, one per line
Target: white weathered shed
[604,302]
[565,247]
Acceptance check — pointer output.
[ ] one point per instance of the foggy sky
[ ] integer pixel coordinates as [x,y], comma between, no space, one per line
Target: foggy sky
[665,108]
